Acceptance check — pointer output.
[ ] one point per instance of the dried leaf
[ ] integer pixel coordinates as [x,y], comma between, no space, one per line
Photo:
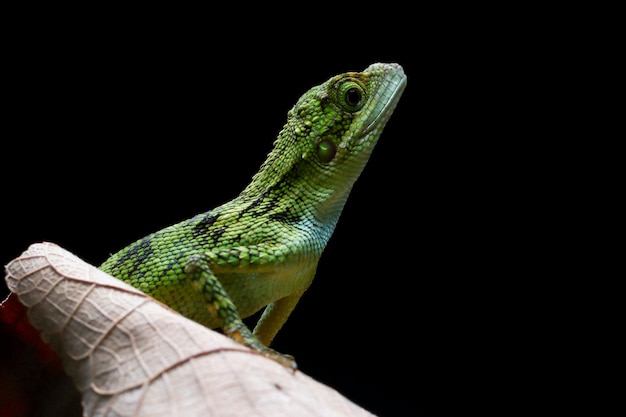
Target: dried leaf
[130,355]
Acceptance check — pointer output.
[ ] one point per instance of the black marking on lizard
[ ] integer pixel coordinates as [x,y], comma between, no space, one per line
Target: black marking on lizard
[285,216]
[202,230]
[136,254]
[206,220]
[260,206]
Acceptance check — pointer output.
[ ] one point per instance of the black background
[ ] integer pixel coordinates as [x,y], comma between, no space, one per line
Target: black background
[415,308]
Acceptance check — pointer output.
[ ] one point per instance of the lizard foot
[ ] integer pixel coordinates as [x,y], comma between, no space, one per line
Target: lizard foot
[243,336]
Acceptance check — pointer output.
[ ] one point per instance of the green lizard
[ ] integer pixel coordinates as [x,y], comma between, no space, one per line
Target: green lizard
[262,248]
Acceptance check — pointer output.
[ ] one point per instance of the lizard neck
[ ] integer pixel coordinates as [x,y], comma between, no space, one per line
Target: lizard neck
[295,188]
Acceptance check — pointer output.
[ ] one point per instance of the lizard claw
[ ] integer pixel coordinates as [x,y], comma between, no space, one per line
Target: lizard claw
[247,339]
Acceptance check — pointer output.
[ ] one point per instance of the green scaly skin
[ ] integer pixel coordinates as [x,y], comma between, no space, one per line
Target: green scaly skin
[262,248]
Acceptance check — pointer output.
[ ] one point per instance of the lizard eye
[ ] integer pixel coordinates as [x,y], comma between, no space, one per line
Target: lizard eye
[326,150]
[351,96]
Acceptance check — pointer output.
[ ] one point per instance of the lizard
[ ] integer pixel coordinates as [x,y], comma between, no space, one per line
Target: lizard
[261,249]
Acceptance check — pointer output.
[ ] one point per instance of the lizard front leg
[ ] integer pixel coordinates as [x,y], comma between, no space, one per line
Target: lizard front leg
[274,316]
[221,306]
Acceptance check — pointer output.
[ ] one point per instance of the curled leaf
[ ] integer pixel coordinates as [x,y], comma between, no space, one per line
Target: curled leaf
[130,355]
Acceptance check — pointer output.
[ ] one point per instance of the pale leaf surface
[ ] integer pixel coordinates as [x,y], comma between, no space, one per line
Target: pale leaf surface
[129,355]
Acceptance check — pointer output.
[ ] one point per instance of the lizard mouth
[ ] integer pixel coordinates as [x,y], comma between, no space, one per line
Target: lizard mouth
[383,109]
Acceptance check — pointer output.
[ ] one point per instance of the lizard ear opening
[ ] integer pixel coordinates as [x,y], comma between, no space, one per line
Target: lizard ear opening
[326,150]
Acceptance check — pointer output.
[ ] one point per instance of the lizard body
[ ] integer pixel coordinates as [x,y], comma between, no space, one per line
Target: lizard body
[261,249]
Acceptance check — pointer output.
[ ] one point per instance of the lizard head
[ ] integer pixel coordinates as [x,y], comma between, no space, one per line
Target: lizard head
[329,135]
[345,116]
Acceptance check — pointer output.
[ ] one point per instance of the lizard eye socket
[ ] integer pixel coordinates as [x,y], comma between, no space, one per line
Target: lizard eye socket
[326,150]
[351,96]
